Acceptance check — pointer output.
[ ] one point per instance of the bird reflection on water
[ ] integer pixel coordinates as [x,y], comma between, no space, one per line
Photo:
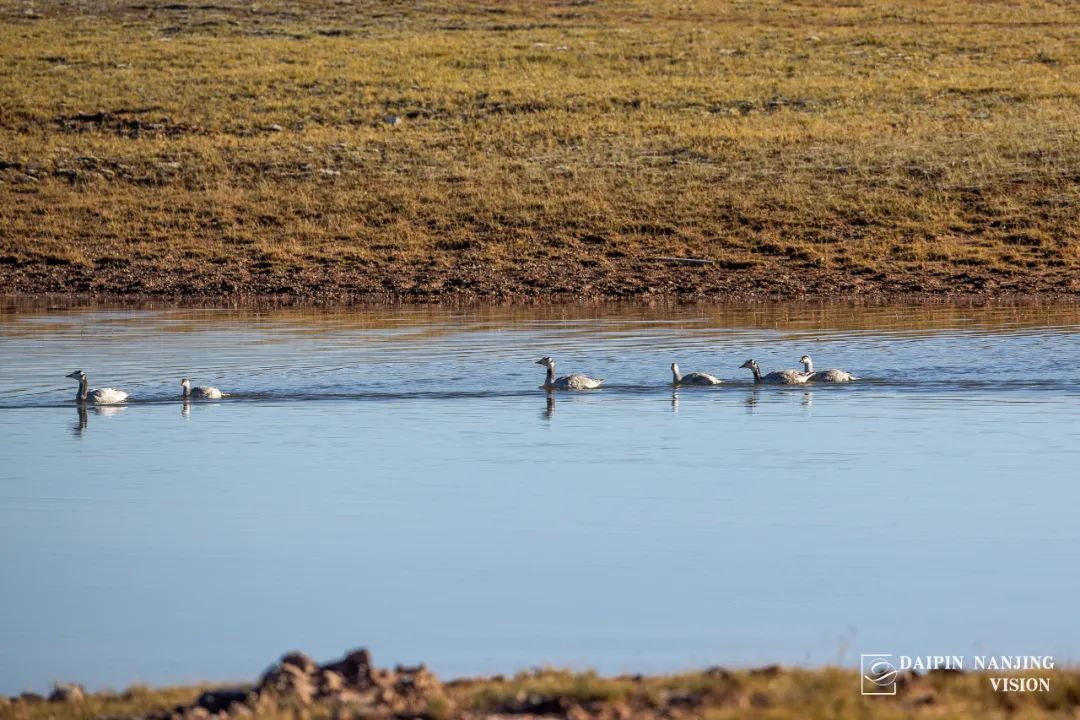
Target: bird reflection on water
[80,427]
[549,408]
[83,411]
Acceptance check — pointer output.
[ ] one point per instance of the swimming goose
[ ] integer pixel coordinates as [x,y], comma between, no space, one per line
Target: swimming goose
[780,377]
[694,378]
[566,382]
[100,396]
[206,393]
[832,375]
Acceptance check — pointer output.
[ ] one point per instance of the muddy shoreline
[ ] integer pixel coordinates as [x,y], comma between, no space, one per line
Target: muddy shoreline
[529,283]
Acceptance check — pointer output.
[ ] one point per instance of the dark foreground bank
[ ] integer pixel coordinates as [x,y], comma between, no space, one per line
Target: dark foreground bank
[464,281]
[353,687]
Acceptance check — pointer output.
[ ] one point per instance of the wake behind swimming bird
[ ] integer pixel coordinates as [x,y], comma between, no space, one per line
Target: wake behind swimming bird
[779,377]
[98,396]
[566,382]
[831,375]
[201,393]
[694,378]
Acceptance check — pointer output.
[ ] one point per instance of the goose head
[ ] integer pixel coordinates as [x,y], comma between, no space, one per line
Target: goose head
[77,375]
[752,364]
[804,359]
[185,383]
[546,361]
[675,367]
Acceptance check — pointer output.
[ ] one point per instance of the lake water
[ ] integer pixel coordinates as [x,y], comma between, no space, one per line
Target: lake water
[394,478]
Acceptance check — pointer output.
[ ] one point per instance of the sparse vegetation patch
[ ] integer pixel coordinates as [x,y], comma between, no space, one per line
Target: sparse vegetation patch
[539,149]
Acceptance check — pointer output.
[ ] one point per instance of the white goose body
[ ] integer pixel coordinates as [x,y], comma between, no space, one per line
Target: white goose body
[779,377]
[201,393]
[694,378]
[566,382]
[106,396]
[98,396]
[831,375]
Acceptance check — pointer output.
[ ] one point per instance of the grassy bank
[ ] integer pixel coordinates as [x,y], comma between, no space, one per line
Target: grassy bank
[540,149]
[716,694]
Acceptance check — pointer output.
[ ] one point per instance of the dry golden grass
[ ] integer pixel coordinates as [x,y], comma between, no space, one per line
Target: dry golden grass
[544,147]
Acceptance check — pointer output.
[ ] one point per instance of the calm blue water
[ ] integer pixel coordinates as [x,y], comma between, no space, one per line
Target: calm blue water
[394,478]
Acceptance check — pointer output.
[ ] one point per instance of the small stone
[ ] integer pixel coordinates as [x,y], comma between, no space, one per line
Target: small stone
[330,681]
[217,700]
[197,713]
[355,668]
[926,698]
[392,120]
[238,710]
[767,671]
[299,660]
[275,128]
[345,696]
[576,712]
[67,693]
[289,679]
[718,672]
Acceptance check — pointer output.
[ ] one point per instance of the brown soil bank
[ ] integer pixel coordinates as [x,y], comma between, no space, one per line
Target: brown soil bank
[540,149]
[353,688]
[527,281]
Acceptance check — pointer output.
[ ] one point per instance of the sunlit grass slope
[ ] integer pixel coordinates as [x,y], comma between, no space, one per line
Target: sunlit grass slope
[540,148]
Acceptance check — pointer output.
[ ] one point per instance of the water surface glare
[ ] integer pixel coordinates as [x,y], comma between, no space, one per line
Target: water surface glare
[395,478]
